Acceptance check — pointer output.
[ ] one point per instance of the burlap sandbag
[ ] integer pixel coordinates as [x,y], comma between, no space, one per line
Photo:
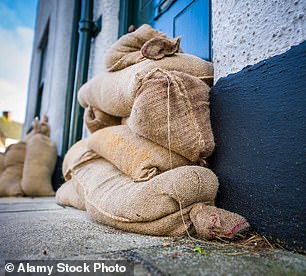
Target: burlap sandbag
[124,120]
[96,119]
[114,92]
[78,155]
[170,204]
[134,47]
[135,156]
[39,164]
[11,175]
[159,47]
[151,207]
[174,106]
[71,194]
[210,222]
[39,126]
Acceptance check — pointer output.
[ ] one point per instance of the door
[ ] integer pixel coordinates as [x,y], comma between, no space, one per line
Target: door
[189,18]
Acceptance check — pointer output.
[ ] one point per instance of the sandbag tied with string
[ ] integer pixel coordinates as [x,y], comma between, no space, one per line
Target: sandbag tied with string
[114,92]
[172,109]
[144,176]
[137,46]
[39,127]
[40,160]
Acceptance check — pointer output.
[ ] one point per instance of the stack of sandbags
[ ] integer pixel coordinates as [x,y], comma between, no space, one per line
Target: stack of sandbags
[114,91]
[135,156]
[169,204]
[27,167]
[142,176]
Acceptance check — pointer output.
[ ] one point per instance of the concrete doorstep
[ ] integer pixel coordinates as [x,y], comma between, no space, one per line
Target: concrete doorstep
[39,229]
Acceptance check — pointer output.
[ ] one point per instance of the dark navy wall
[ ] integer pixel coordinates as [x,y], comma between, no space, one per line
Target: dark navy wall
[259,122]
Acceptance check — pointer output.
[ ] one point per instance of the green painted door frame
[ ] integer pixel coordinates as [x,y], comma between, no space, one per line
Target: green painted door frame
[78,69]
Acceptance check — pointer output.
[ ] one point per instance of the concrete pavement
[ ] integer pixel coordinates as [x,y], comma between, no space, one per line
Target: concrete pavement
[38,229]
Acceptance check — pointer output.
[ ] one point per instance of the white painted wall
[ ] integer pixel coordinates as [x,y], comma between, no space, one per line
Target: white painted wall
[60,15]
[109,9]
[247,31]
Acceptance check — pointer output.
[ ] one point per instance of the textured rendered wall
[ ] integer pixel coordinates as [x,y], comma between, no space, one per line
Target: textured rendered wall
[246,31]
[109,9]
[59,14]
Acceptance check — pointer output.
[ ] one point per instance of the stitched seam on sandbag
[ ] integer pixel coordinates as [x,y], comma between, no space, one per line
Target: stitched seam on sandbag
[235,228]
[184,94]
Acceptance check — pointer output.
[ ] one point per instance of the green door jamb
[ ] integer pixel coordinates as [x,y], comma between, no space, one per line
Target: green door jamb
[71,75]
[87,30]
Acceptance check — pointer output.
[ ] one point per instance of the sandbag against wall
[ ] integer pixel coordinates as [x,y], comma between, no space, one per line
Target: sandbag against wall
[126,50]
[40,160]
[135,156]
[172,109]
[169,204]
[134,47]
[114,92]
[12,167]
[114,199]
[210,222]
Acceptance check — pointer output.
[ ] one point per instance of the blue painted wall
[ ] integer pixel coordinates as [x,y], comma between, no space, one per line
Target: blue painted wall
[259,122]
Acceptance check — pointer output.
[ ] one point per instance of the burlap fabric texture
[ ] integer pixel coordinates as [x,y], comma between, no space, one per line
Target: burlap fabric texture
[77,156]
[1,162]
[167,101]
[211,222]
[160,206]
[135,156]
[71,194]
[172,109]
[12,167]
[114,92]
[134,47]
[39,126]
[96,119]
[39,164]
[114,199]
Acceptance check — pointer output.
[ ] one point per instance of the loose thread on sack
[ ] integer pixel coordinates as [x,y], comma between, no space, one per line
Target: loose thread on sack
[170,153]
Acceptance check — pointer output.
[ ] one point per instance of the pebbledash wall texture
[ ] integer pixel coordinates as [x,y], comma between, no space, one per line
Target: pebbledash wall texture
[258,114]
[246,32]
[108,35]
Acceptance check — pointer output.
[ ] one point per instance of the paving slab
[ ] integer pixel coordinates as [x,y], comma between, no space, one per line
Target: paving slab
[39,229]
